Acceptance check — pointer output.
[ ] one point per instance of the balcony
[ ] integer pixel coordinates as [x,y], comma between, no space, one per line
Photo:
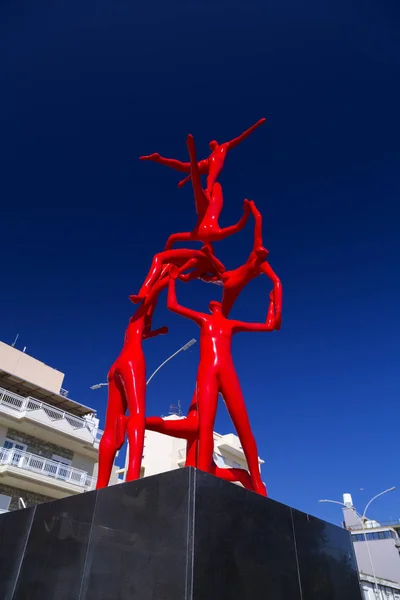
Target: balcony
[42,475]
[374,525]
[20,408]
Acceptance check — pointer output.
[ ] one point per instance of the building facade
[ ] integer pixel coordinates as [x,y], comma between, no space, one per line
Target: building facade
[48,442]
[377,551]
[163,453]
[381,589]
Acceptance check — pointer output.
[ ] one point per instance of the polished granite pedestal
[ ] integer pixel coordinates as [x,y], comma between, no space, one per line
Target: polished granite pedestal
[182,535]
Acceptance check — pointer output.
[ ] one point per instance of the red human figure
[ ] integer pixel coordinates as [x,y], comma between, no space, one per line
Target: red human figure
[235,280]
[187,429]
[217,375]
[203,262]
[211,166]
[209,204]
[206,262]
[126,391]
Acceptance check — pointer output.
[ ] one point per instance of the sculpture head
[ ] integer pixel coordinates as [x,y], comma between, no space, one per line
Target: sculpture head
[215,307]
[212,145]
[261,252]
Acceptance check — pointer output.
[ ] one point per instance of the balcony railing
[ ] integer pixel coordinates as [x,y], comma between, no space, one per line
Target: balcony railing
[21,404]
[47,467]
[368,526]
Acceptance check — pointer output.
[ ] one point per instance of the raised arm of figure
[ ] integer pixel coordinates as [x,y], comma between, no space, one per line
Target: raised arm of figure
[258,241]
[201,200]
[267,270]
[178,165]
[216,263]
[236,141]
[172,302]
[269,325]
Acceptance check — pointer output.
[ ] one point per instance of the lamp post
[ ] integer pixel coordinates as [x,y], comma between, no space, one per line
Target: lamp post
[99,385]
[362,519]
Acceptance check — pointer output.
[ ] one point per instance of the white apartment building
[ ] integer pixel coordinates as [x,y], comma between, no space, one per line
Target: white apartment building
[163,453]
[48,442]
[377,551]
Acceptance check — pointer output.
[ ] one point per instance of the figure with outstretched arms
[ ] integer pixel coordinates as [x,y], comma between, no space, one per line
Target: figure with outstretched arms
[210,166]
[209,204]
[217,375]
[235,280]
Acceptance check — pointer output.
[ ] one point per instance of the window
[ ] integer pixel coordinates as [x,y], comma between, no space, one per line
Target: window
[219,460]
[372,536]
[4,502]
[15,455]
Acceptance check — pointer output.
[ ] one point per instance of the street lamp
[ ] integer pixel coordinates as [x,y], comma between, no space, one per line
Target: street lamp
[190,343]
[99,385]
[362,519]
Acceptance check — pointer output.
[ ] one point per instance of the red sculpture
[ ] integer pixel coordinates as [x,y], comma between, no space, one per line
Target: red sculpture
[209,204]
[217,375]
[203,259]
[127,391]
[187,428]
[216,372]
[234,281]
[211,166]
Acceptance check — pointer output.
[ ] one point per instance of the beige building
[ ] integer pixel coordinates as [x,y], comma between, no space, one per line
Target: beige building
[48,442]
[164,453]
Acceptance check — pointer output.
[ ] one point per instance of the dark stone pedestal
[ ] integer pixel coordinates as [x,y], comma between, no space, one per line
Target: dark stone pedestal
[183,535]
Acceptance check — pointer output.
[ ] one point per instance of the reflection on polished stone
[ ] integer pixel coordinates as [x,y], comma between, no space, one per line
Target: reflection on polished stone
[14,531]
[244,545]
[55,554]
[139,546]
[326,560]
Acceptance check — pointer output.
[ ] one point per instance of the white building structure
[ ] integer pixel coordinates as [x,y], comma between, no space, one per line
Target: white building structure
[387,590]
[377,551]
[164,453]
[48,442]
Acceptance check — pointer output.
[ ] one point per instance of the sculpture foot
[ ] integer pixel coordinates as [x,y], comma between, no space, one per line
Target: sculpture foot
[137,298]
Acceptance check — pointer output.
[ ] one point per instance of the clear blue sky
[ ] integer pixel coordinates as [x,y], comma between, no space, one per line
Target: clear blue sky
[88,87]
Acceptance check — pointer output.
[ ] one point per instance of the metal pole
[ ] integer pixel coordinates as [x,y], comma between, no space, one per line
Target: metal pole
[362,519]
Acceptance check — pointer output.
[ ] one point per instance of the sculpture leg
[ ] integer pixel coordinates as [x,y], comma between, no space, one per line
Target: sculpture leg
[229,298]
[148,306]
[207,398]
[225,232]
[203,168]
[134,388]
[154,273]
[109,443]
[233,475]
[179,428]
[191,453]
[258,241]
[179,237]
[172,163]
[233,396]
[200,198]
